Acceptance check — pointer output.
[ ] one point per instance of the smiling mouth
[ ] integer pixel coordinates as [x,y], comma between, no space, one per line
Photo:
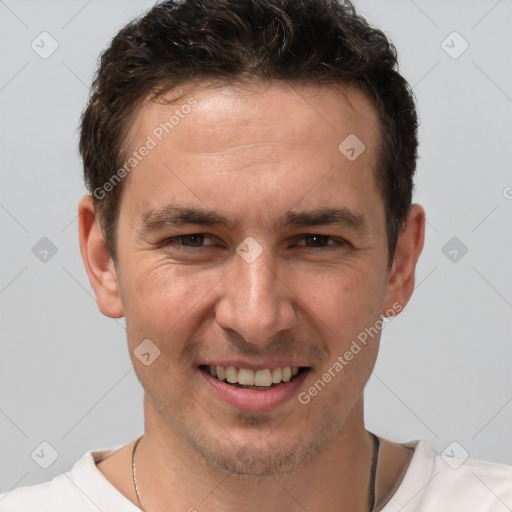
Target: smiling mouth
[255,380]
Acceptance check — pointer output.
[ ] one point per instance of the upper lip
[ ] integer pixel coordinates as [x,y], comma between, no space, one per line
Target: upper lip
[237,363]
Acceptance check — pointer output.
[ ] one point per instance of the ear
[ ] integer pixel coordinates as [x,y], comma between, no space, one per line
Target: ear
[410,243]
[97,260]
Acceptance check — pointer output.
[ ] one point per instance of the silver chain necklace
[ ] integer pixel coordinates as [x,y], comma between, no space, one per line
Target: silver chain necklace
[371,489]
[134,471]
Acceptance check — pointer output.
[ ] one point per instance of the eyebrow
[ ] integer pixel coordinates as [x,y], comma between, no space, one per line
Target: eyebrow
[175,216]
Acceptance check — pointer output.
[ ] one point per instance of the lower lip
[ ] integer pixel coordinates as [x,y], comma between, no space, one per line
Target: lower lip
[247,400]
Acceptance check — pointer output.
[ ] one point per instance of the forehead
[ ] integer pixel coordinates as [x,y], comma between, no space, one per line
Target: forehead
[322,112]
[280,143]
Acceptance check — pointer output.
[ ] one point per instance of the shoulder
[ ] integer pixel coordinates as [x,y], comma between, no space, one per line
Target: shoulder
[435,482]
[55,495]
[82,489]
[488,484]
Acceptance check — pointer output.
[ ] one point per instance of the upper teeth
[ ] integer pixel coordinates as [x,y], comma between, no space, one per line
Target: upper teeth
[248,377]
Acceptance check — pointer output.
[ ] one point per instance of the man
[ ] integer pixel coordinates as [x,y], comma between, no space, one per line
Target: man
[250,164]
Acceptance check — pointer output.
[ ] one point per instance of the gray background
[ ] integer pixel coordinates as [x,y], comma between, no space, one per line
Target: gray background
[444,371]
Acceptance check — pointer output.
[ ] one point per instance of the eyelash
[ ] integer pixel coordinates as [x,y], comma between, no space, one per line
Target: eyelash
[337,241]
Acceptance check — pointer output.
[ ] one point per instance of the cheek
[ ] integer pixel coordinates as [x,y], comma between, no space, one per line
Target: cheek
[344,304]
[344,309]
[161,299]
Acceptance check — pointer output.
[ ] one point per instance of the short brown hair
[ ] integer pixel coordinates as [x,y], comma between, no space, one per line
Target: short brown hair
[308,41]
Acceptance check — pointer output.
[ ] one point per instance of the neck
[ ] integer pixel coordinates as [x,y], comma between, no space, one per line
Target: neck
[172,474]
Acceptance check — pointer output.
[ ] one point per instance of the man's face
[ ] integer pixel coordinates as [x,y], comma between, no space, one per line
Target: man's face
[267,290]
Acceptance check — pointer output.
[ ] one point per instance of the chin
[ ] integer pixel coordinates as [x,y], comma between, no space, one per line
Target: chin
[251,462]
[258,459]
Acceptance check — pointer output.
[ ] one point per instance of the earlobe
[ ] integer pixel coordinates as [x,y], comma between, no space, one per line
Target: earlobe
[408,250]
[97,260]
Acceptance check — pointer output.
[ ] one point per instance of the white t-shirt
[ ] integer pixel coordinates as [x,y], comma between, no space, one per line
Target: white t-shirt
[431,484]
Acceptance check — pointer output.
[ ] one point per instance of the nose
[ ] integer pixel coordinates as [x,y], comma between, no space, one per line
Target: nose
[257,299]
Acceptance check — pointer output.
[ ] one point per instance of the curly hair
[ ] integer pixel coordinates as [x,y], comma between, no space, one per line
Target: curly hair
[232,41]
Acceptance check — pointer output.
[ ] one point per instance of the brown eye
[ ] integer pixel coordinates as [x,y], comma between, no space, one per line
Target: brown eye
[195,240]
[318,241]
